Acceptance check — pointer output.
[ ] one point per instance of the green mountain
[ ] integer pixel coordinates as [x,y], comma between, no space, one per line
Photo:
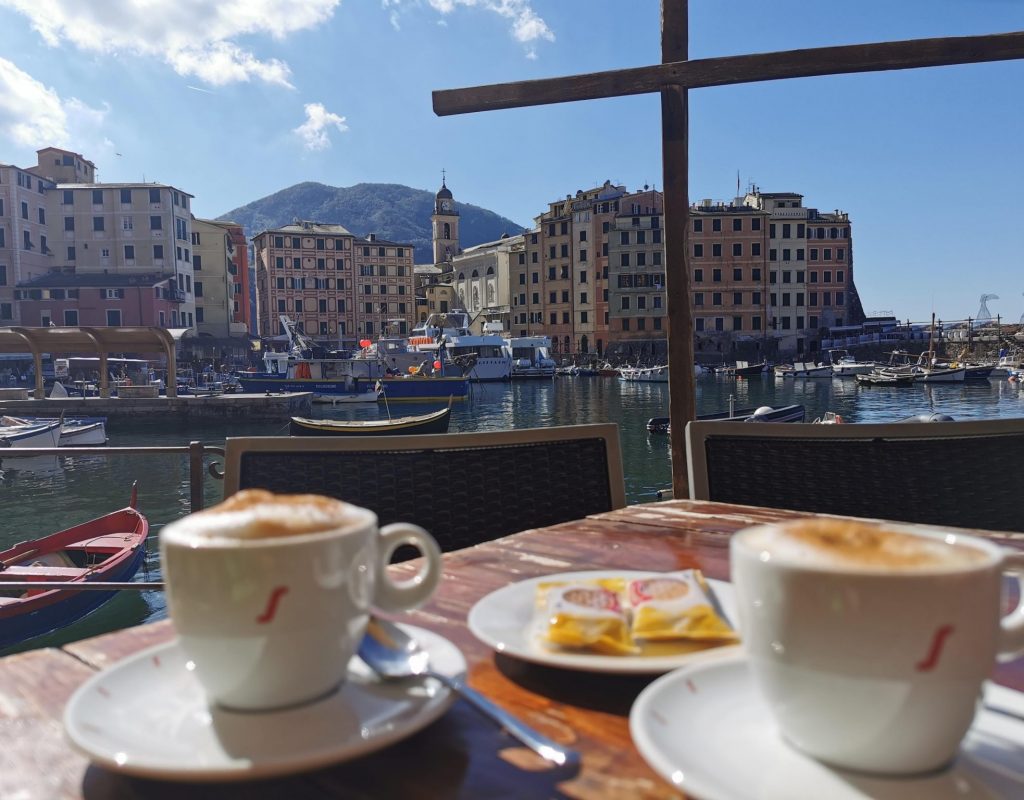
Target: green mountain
[392,211]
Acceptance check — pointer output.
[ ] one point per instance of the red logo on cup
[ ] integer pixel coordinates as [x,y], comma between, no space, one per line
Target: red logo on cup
[938,640]
[275,597]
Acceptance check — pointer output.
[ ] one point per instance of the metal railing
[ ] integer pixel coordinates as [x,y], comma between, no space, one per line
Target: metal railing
[196,452]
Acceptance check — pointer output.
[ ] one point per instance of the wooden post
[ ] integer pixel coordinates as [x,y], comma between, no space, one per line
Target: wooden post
[37,361]
[172,371]
[104,375]
[675,164]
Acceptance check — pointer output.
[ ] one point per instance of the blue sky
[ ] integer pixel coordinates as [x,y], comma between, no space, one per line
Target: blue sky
[234,99]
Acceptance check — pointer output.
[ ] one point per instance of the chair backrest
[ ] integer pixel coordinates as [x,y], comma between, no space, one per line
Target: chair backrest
[965,474]
[465,488]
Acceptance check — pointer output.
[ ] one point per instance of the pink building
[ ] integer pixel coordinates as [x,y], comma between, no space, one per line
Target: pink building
[68,299]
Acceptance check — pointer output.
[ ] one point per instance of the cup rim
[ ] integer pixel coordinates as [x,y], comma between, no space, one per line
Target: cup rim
[993,551]
[171,534]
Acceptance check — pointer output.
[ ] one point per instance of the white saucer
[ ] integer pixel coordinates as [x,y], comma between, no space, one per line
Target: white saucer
[147,715]
[706,730]
[505,620]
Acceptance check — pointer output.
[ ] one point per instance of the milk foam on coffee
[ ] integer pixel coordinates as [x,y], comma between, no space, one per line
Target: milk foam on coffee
[854,545]
[259,514]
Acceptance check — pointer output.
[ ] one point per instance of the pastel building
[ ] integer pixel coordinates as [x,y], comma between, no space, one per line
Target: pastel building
[59,298]
[220,266]
[337,287]
[26,247]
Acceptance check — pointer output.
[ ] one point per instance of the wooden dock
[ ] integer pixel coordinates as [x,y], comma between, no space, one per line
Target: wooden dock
[258,407]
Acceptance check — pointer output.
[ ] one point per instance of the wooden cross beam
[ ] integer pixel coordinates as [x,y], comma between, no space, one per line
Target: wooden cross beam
[877,57]
[672,78]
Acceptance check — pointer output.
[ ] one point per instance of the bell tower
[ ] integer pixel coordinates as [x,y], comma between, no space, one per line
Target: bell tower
[445,225]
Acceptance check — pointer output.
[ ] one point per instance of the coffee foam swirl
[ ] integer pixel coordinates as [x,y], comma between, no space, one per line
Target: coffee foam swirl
[856,545]
[259,514]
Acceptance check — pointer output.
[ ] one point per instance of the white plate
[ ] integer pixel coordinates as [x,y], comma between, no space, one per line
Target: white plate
[706,729]
[147,715]
[505,620]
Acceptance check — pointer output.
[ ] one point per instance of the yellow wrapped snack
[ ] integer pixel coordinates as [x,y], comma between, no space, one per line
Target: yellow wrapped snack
[676,606]
[586,617]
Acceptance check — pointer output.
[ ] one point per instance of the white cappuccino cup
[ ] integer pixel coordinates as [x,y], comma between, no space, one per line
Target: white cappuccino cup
[270,594]
[870,642]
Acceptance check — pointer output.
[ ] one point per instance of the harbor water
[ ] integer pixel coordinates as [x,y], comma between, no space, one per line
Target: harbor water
[40,495]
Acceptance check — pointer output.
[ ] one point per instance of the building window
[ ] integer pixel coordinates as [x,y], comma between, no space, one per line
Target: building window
[716,298]
[755,224]
[840,298]
[814,276]
[699,324]
[716,275]
[737,274]
[624,237]
[716,224]
[156,223]
[799,276]
[786,323]
[583,255]
[737,298]
[716,251]
[737,224]
[129,252]
[71,317]
[827,256]
[786,276]
[698,226]
[698,276]
[97,224]
[800,254]
[114,317]
[755,298]
[624,260]
[624,303]
[698,251]
[737,248]
[826,276]
[773,254]
[755,274]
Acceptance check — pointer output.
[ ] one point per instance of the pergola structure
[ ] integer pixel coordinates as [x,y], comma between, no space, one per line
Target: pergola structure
[673,78]
[94,341]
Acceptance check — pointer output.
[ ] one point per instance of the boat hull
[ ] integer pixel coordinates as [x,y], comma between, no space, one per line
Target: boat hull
[118,537]
[437,422]
[46,434]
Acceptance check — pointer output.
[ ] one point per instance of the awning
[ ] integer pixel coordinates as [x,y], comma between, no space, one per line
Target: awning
[62,341]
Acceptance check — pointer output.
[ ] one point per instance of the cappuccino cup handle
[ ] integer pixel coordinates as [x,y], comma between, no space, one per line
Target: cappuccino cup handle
[1011,637]
[392,596]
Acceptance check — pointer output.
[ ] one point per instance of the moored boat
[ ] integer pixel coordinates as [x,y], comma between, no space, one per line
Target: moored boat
[792,413]
[845,365]
[435,422]
[42,434]
[74,431]
[804,369]
[885,379]
[110,548]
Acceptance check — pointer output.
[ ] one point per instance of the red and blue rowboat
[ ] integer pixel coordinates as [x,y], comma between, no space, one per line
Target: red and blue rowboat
[109,548]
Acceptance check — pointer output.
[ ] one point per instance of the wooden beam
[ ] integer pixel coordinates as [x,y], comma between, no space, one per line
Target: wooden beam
[877,57]
[675,165]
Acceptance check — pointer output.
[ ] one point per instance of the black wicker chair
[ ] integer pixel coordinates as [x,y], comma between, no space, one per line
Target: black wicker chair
[964,474]
[463,488]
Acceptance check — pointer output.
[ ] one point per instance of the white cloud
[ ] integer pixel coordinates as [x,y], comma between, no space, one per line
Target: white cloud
[33,115]
[30,112]
[315,131]
[528,27]
[196,38]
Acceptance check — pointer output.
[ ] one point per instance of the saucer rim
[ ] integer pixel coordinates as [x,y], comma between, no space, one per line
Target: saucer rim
[431,710]
[697,785]
[511,593]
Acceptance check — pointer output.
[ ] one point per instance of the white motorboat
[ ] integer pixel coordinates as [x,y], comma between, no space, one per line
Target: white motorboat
[531,356]
[845,365]
[804,369]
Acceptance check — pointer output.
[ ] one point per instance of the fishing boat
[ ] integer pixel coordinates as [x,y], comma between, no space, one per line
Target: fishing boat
[333,375]
[74,431]
[435,422]
[657,374]
[741,369]
[109,548]
[42,434]
[793,413]
[885,379]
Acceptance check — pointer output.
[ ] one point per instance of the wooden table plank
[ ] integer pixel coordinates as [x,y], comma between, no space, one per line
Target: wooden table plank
[462,755]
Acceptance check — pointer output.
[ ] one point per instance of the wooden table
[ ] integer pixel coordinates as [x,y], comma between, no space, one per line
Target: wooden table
[461,755]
